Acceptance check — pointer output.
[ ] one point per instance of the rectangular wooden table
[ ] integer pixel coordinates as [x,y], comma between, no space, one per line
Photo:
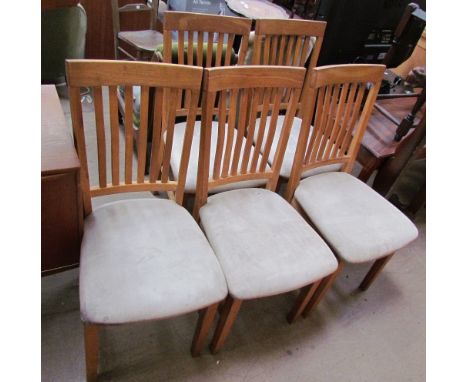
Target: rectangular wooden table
[61,204]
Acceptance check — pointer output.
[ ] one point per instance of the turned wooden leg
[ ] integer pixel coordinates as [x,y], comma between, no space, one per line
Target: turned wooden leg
[374,271]
[322,289]
[301,301]
[205,320]
[91,337]
[228,315]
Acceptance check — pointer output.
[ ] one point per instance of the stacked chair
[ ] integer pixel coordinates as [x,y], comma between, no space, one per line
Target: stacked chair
[148,259]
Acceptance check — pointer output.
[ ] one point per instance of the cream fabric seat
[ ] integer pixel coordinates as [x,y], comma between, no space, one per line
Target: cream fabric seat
[355,220]
[191,182]
[263,245]
[145,259]
[288,159]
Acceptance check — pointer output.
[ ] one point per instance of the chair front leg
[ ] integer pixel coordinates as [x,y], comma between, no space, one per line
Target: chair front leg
[205,320]
[374,271]
[228,315]
[305,295]
[322,289]
[91,337]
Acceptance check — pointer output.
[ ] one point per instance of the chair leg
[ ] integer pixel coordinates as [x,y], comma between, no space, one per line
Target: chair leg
[228,315]
[205,320]
[322,289]
[91,337]
[301,301]
[374,271]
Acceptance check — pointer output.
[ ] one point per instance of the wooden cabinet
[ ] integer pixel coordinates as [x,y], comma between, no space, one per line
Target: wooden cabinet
[61,203]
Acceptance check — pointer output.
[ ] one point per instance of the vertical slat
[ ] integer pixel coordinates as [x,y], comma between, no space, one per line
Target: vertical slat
[283,40]
[289,51]
[297,51]
[187,145]
[349,102]
[240,130]
[143,133]
[261,129]
[190,48]
[167,46]
[114,122]
[78,132]
[266,50]
[230,136]
[219,49]
[250,130]
[199,48]
[180,48]
[100,135]
[156,145]
[274,50]
[128,133]
[227,57]
[305,48]
[221,135]
[243,50]
[209,50]
[276,94]
[166,164]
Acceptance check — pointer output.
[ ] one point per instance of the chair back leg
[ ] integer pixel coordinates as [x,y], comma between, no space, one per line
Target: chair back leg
[374,271]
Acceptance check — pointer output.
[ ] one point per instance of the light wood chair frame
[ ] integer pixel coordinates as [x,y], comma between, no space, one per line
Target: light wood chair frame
[139,8]
[341,104]
[167,79]
[259,89]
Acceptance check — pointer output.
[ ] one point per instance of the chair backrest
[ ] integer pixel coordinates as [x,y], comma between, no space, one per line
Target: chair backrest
[288,42]
[342,98]
[235,97]
[201,38]
[166,80]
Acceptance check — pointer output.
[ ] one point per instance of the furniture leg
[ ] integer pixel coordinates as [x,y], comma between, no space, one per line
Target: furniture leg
[322,289]
[91,337]
[228,315]
[205,320]
[374,271]
[301,301]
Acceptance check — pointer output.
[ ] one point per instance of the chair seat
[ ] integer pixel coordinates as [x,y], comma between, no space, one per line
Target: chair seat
[263,245]
[290,152]
[191,181]
[145,259]
[355,220]
[146,40]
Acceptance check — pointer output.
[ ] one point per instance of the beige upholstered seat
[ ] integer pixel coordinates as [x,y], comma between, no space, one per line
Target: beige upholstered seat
[191,182]
[264,246]
[145,259]
[360,224]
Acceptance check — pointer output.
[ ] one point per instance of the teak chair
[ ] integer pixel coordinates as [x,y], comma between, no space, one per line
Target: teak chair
[358,223]
[144,42]
[202,40]
[264,246]
[141,259]
[292,43]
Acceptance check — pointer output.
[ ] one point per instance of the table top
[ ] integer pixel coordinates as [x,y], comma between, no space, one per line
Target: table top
[214,7]
[58,152]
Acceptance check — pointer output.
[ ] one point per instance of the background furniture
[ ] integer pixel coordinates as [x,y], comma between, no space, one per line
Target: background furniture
[142,43]
[63,32]
[61,204]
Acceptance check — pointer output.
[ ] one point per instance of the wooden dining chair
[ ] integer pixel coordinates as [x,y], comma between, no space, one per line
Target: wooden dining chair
[358,223]
[141,259]
[289,42]
[207,41]
[143,42]
[264,246]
